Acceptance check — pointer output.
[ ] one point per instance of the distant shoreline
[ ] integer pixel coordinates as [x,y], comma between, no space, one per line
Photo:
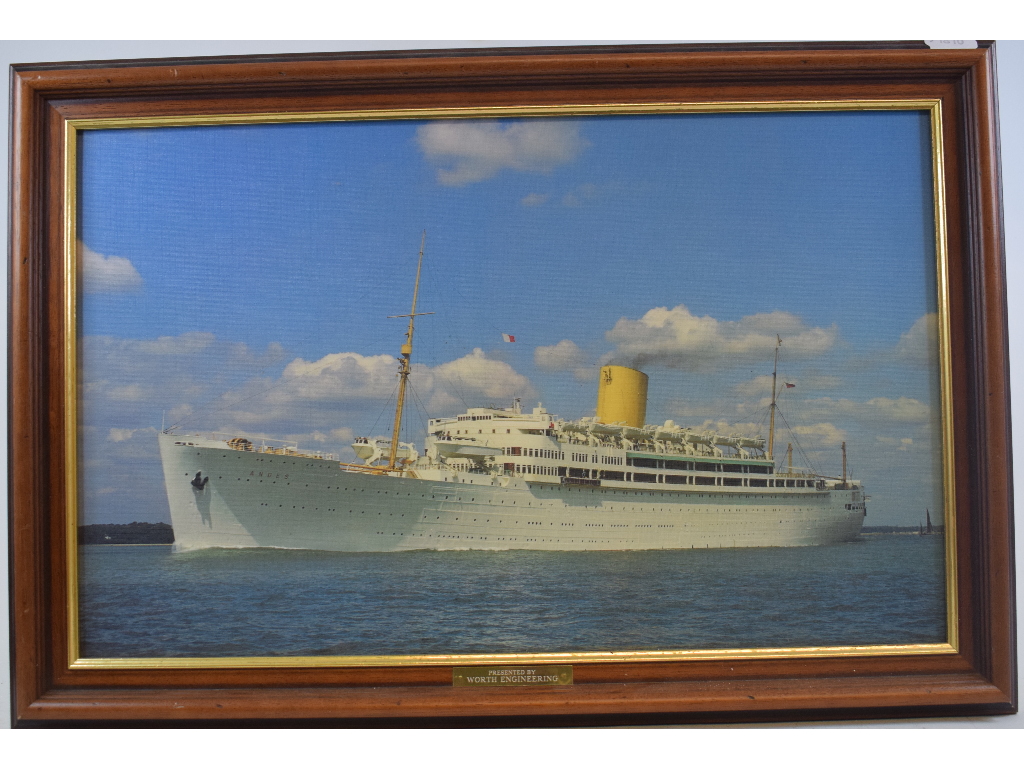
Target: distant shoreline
[108,544]
[113,534]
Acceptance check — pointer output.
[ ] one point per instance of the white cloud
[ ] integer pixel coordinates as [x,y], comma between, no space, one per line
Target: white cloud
[901,409]
[878,410]
[185,344]
[126,382]
[476,377]
[107,274]
[675,338]
[206,383]
[534,199]
[900,443]
[346,375]
[345,387]
[563,356]
[349,376]
[120,435]
[467,151]
[920,345]
[823,434]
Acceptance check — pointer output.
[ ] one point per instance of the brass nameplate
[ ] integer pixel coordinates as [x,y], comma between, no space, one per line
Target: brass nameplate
[491,676]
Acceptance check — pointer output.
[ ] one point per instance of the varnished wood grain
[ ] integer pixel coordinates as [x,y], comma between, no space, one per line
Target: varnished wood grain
[980,679]
[719,697]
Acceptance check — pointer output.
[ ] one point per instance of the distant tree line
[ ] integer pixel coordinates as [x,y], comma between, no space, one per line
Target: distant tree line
[128,533]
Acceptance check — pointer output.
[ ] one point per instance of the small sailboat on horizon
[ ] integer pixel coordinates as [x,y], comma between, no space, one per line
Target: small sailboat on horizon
[928,529]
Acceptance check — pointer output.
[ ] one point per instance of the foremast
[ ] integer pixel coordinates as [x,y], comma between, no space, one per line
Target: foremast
[404,362]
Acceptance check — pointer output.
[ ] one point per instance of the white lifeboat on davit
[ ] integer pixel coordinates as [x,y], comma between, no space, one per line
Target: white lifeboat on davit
[371,449]
[451,449]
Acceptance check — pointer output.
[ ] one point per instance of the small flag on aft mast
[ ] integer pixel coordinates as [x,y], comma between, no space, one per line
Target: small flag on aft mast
[508,337]
[789,386]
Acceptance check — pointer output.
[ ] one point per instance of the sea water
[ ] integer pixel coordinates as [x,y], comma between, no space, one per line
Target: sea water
[146,601]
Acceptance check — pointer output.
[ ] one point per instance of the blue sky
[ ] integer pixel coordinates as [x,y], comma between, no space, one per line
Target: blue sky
[239,278]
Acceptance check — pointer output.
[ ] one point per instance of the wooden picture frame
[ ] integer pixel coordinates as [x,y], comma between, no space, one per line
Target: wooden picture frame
[975,677]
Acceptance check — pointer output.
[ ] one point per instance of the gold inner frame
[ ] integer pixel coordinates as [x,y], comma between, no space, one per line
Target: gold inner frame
[71,281]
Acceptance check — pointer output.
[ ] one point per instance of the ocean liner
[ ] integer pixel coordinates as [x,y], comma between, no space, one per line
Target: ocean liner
[501,478]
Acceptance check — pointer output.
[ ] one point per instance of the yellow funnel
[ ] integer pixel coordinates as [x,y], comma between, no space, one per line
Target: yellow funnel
[622,396]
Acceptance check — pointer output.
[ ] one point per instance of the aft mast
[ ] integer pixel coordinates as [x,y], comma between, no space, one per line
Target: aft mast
[774,406]
[404,365]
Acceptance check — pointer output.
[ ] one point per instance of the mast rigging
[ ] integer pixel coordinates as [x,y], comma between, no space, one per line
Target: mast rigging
[774,406]
[404,362]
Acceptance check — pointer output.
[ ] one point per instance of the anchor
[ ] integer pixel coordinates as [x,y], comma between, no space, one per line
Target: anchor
[199,482]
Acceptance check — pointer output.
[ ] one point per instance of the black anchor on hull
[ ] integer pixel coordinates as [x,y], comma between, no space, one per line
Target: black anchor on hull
[199,482]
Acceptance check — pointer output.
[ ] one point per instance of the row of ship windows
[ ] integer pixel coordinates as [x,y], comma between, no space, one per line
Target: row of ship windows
[648,477]
[546,453]
[699,466]
[319,463]
[537,453]
[635,461]
[515,522]
[583,458]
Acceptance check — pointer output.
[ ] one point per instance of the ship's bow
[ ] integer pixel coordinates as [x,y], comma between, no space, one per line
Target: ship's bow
[199,516]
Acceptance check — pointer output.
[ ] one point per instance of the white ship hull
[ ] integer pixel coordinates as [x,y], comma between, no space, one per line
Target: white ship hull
[252,499]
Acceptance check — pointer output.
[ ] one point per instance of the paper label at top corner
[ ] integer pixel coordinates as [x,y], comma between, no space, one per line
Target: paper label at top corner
[951,43]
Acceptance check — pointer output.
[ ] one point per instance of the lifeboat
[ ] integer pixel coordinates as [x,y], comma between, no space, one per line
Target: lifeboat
[373,449]
[453,450]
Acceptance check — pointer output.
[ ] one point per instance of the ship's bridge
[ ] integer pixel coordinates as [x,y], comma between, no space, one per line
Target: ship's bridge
[494,421]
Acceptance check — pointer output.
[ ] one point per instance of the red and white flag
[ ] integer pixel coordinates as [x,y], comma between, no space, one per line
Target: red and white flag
[508,337]
[789,386]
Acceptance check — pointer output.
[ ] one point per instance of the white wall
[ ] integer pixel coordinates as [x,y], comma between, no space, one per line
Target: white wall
[1011,85]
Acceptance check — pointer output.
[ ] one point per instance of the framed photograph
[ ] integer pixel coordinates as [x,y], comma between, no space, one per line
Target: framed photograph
[571,385]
